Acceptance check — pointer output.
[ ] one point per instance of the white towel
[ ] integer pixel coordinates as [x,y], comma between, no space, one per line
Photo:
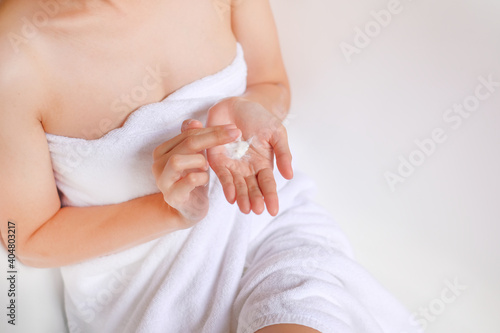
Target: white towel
[229,273]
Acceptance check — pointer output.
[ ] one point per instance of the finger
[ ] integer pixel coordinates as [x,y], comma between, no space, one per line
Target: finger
[196,143]
[241,193]
[281,148]
[167,146]
[267,185]
[177,165]
[190,124]
[181,163]
[181,190]
[226,180]
[256,197]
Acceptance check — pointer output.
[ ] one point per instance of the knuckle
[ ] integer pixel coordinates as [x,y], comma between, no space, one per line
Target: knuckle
[220,134]
[254,189]
[239,184]
[225,179]
[175,162]
[201,158]
[269,182]
[191,132]
[192,178]
[190,142]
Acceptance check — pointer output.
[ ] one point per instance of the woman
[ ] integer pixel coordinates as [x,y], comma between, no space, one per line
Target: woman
[100,181]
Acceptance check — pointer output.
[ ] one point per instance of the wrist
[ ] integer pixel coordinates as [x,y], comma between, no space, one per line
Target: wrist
[274,97]
[172,218]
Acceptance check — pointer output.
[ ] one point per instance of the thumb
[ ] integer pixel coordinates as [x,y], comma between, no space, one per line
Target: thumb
[282,153]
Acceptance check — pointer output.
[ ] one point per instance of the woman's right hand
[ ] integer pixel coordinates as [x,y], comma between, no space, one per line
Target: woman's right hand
[181,169]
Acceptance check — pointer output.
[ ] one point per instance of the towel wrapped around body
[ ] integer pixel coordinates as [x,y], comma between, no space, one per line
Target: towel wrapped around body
[230,272]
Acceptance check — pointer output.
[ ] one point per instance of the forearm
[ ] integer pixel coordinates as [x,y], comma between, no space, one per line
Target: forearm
[275,97]
[75,234]
[267,80]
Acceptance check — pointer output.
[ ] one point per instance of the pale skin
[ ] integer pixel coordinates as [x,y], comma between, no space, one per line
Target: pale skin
[66,79]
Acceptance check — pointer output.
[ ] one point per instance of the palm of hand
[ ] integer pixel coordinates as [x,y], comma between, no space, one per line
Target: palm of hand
[250,179]
[258,157]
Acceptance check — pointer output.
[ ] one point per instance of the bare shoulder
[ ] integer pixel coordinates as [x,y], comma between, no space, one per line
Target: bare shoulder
[21,76]
[26,175]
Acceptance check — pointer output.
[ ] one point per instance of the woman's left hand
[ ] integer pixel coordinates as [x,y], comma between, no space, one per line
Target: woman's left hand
[250,180]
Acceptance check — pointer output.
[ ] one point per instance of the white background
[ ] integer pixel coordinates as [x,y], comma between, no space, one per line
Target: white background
[349,124]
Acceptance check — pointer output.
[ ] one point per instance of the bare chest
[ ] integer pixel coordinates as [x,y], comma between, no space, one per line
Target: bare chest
[96,80]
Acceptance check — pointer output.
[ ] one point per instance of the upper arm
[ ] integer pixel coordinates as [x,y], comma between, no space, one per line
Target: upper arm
[254,27]
[28,193]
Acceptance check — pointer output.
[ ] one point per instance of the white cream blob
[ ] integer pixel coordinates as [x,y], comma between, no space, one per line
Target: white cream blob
[237,149]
